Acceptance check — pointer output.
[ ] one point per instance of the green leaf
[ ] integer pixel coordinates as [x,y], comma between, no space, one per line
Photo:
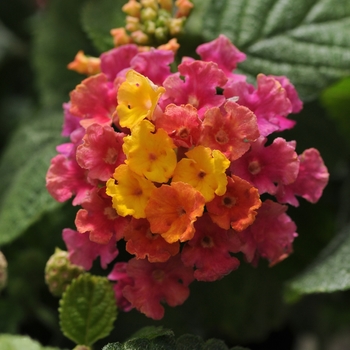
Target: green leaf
[87,309]
[157,338]
[19,342]
[58,36]
[336,100]
[306,40]
[330,273]
[99,17]
[23,167]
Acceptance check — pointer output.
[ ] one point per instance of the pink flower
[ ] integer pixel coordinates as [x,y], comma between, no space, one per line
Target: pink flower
[101,151]
[99,218]
[270,236]
[230,132]
[198,88]
[154,64]
[122,279]
[65,178]
[83,252]
[71,122]
[114,62]
[181,123]
[94,100]
[155,283]
[208,251]
[224,53]
[311,180]
[266,167]
[269,102]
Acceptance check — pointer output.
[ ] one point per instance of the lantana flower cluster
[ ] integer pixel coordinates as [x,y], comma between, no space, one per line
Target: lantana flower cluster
[184,167]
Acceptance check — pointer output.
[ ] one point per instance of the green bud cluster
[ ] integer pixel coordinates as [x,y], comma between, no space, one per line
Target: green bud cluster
[60,272]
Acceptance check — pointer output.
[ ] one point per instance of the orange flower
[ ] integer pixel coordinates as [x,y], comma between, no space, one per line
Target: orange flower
[237,207]
[85,64]
[172,211]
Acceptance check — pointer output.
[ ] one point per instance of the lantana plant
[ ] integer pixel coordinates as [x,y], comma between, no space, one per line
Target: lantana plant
[182,161]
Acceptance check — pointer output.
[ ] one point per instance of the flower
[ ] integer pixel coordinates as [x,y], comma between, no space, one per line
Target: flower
[101,151]
[129,191]
[203,169]
[82,251]
[143,243]
[237,208]
[231,133]
[208,251]
[157,282]
[137,99]
[150,153]
[172,210]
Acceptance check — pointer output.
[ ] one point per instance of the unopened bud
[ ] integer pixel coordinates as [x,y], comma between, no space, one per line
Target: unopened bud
[85,64]
[150,27]
[184,8]
[176,25]
[120,37]
[140,37]
[167,5]
[132,24]
[148,14]
[161,34]
[150,3]
[60,272]
[132,8]
[3,271]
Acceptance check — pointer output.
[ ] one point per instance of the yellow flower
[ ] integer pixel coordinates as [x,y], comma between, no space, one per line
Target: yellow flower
[137,99]
[150,154]
[129,191]
[204,169]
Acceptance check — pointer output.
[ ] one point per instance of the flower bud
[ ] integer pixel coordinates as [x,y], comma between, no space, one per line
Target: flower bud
[148,14]
[132,8]
[132,24]
[60,272]
[176,25]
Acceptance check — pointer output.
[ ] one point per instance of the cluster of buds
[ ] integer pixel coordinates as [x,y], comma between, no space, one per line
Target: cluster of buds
[182,166]
[152,22]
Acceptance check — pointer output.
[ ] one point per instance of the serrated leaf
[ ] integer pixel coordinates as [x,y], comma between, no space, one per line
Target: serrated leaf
[330,273]
[58,37]
[19,342]
[158,338]
[23,167]
[88,309]
[306,40]
[99,17]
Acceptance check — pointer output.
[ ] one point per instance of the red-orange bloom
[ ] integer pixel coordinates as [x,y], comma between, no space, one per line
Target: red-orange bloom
[172,211]
[143,243]
[237,207]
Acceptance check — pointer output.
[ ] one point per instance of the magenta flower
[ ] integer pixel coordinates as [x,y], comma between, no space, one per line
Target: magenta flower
[224,54]
[114,62]
[122,279]
[269,102]
[209,251]
[266,167]
[311,180]
[155,64]
[83,252]
[157,282]
[198,88]
[270,236]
